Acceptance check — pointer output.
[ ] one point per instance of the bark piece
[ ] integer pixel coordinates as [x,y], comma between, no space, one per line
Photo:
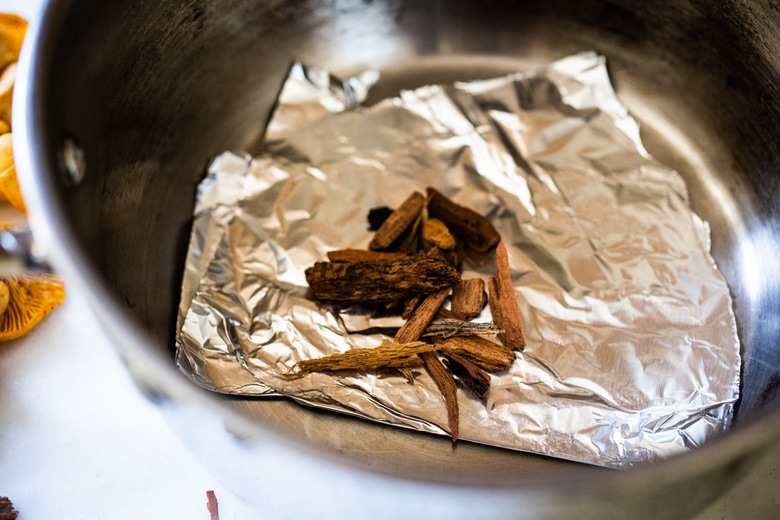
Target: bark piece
[469,298]
[361,255]
[473,377]
[379,281]
[473,229]
[389,354]
[447,327]
[398,222]
[413,328]
[487,355]
[503,303]
[448,389]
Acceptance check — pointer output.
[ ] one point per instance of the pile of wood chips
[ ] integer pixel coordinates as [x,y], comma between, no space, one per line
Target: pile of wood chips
[414,265]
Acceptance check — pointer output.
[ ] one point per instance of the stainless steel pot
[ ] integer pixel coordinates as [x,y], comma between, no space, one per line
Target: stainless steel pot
[124,102]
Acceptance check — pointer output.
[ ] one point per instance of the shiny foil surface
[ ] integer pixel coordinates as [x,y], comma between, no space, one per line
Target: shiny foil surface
[632,352]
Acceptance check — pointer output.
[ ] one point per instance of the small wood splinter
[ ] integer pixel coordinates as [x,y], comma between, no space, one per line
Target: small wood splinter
[447,327]
[398,222]
[448,389]
[212,504]
[414,327]
[361,255]
[389,354]
[503,303]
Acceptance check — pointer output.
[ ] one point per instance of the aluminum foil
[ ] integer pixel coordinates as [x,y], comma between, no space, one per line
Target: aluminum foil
[632,348]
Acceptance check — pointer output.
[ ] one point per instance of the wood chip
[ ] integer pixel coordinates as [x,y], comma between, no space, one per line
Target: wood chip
[436,234]
[503,303]
[212,504]
[473,229]
[472,377]
[398,222]
[448,389]
[362,255]
[487,355]
[389,354]
[469,298]
[447,327]
[379,281]
[413,328]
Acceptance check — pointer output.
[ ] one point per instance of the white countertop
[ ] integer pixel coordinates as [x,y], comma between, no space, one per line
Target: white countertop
[78,440]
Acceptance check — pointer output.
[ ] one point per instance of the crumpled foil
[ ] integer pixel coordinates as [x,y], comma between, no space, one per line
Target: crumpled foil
[632,348]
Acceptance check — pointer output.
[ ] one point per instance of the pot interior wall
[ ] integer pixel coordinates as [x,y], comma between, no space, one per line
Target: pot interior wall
[152,90]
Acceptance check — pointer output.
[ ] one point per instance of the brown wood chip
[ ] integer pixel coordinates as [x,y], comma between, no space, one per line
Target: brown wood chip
[398,222]
[473,229]
[473,377]
[448,389]
[389,354]
[469,298]
[413,328]
[380,281]
[212,505]
[446,327]
[503,303]
[361,255]
[486,354]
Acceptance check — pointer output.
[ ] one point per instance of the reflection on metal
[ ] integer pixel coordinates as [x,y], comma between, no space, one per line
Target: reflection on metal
[73,160]
[18,253]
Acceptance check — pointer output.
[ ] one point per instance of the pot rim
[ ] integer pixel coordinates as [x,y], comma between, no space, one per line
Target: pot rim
[159,379]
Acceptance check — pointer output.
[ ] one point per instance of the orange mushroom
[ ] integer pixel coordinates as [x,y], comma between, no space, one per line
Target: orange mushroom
[24,299]
[9,184]
[31,298]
